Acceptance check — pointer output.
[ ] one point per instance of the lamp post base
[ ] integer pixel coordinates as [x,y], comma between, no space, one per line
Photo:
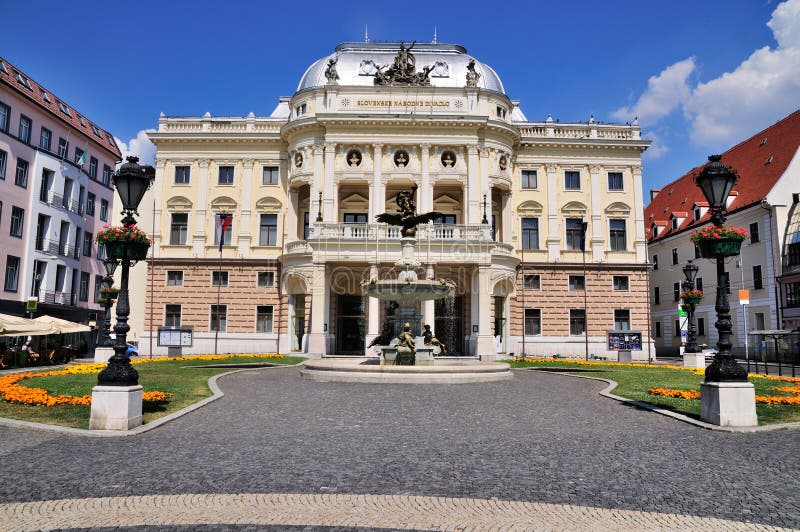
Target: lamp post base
[116,407]
[694,360]
[728,404]
[103,354]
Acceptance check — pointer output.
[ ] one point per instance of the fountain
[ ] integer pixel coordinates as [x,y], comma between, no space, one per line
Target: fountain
[407,358]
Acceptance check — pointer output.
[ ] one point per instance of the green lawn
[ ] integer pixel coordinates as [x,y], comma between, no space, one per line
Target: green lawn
[189,385]
[634,382]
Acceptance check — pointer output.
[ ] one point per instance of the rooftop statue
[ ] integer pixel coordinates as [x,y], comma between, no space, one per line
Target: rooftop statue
[472,74]
[403,71]
[330,72]
[408,218]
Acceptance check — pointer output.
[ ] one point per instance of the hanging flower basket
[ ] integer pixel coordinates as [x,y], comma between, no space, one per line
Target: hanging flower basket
[724,241]
[692,297]
[110,293]
[124,242]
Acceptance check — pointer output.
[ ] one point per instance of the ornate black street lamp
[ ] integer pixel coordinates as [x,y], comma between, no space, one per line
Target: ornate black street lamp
[131,181]
[716,181]
[105,337]
[690,272]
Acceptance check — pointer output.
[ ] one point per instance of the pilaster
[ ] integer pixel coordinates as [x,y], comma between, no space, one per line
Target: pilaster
[316,182]
[473,188]
[640,242]
[158,184]
[597,242]
[245,237]
[328,202]
[425,198]
[197,226]
[378,192]
[553,234]
[320,295]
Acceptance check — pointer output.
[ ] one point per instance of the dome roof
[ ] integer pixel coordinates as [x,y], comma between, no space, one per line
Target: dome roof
[356,65]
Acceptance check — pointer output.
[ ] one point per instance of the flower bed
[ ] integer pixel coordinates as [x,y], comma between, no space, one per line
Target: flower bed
[793,399]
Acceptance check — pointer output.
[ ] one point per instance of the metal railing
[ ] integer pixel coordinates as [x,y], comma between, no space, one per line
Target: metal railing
[54,297]
[437,232]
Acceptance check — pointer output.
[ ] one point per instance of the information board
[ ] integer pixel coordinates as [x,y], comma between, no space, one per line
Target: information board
[175,336]
[624,340]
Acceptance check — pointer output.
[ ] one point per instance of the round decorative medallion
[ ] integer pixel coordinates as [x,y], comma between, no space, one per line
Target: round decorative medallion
[298,160]
[353,158]
[401,158]
[458,104]
[345,102]
[448,159]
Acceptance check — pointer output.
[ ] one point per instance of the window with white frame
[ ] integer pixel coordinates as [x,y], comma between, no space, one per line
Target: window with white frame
[172,315]
[617,237]
[269,175]
[266,279]
[622,320]
[268,230]
[577,282]
[574,233]
[104,210]
[615,181]
[531,281]
[533,321]
[45,138]
[225,175]
[621,282]
[219,318]
[219,278]
[12,274]
[529,179]
[572,180]
[25,126]
[264,318]
[174,277]
[530,233]
[182,175]
[179,228]
[577,321]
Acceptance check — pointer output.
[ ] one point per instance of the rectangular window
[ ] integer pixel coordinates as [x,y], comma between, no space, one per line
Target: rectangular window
[656,295]
[533,322]
[266,279]
[228,237]
[697,213]
[178,228]
[577,282]
[93,167]
[3,159]
[676,291]
[63,148]
[12,274]
[758,282]
[98,282]
[696,251]
[655,262]
[617,239]
[104,210]
[674,255]
[87,244]
[529,179]
[572,180]
[90,199]
[701,327]
[622,320]
[225,175]
[101,251]
[182,175]
[21,176]
[621,282]
[530,233]
[5,117]
[577,321]
[219,318]
[658,329]
[78,155]
[793,294]
[25,126]
[615,181]
[174,277]
[219,278]
[754,236]
[698,283]
[172,315]
[83,292]
[269,175]
[45,138]
[268,230]
[531,281]
[305,225]
[264,318]
[17,221]
[574,233]
[106,174]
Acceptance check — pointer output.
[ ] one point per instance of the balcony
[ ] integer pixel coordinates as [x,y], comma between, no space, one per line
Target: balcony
[53,297]
[60,202]
[354,242]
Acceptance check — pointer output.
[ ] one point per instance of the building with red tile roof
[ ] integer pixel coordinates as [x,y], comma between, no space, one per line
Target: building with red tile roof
[768,167]
[55,195]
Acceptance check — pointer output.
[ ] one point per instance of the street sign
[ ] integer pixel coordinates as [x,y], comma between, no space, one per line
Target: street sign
[31,304]
[744,297]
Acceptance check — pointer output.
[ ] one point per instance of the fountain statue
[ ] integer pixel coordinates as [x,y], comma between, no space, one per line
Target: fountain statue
[407,290]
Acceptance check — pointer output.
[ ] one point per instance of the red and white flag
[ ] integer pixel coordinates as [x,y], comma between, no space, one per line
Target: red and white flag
[223,222]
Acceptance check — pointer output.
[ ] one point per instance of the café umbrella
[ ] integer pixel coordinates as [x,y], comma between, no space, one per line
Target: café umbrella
[17,326]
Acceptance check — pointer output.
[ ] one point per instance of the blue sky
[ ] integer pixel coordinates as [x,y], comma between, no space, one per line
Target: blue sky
[701,76]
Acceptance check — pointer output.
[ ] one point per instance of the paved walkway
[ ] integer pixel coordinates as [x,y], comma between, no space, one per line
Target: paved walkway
[541,450]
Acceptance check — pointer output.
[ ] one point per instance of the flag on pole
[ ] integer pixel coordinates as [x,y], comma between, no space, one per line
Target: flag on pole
[223,223]
[83,157]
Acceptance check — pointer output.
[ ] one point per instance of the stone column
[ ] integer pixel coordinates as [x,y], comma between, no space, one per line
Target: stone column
[507,223]
[379,200]
[158,184]
[473,188]
[640,242]
[245,237]
[291,216]
[597,242]
[373,315]
[200,221]
[425,197]
[553,234]
[316,183]
[485,345]
[320,296]
[486,190]
[329,200]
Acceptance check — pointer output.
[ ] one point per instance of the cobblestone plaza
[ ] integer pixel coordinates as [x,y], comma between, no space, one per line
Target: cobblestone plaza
[541,451]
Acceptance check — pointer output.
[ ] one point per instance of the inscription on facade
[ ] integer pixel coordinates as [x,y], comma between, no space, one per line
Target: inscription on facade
[403,103]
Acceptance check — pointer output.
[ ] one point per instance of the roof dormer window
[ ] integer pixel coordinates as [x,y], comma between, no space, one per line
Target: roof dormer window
[655,230]
[763,141]
[80,119]
[697,213]
[674,223]
[45,96]
[3,67]
[23,80]
[769,160]
[96,130]
[64,108]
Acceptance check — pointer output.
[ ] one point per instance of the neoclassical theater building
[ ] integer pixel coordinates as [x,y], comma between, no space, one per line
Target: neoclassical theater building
[305,184]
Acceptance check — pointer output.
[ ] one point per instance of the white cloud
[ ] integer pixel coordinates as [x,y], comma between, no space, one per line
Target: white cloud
[764,88]
[657,149]
[139,146]
[665,92]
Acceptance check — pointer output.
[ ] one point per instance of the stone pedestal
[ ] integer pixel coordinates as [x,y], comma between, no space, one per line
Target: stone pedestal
[728,404]
[116,407]
[694,360]
[102,354]
[624,355]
